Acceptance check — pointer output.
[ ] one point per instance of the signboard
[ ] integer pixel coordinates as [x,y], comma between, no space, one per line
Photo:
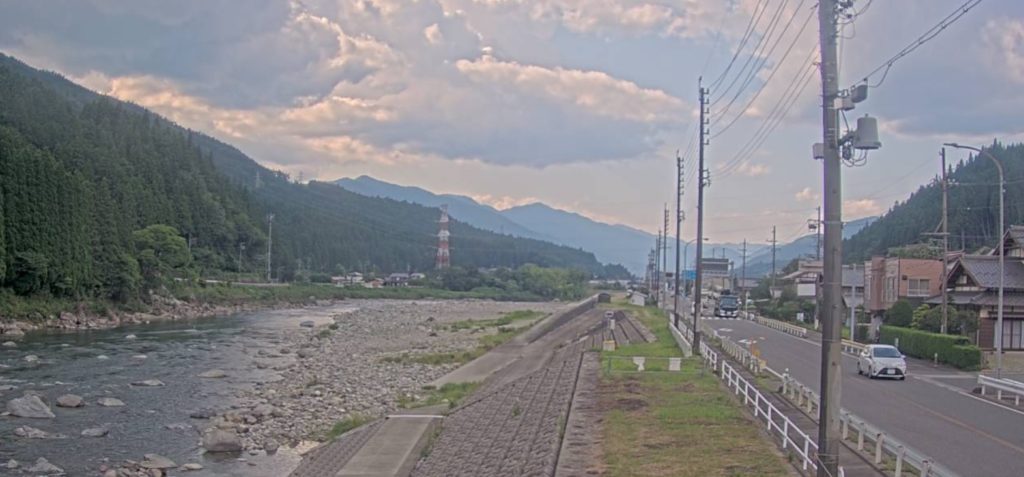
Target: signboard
[806,290]
[715,267]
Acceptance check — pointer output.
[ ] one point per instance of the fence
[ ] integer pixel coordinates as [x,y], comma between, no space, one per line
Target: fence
[642,364]
[885,446]
[1015,388]
[778,325]
[778,425]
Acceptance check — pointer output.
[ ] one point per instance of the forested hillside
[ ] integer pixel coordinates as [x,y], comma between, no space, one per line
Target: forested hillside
[973,208]
[86,181]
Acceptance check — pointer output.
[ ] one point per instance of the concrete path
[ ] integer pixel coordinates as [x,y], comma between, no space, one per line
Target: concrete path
[392,451]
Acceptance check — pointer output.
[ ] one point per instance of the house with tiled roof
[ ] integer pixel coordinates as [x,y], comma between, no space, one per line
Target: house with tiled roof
[973,283]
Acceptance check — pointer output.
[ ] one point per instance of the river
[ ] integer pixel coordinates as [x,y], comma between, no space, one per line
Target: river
[156,419]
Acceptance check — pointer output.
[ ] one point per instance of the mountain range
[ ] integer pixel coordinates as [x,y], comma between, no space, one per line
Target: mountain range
[610,243]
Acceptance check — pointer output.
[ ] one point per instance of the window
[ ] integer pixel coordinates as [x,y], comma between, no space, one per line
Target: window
[890,289]
[886,352]
[1013,334]
[919,287]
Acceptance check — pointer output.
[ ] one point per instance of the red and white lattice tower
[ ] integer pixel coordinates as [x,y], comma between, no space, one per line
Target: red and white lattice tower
[444,258]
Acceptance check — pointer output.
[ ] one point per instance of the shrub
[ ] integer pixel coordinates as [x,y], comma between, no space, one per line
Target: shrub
[901,314]
[861,334]
[952,349]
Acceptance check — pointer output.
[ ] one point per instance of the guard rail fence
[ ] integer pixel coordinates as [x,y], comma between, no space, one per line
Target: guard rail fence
[1014,388]
[882,445]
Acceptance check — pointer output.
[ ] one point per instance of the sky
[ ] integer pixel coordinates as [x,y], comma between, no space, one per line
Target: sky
[579,104]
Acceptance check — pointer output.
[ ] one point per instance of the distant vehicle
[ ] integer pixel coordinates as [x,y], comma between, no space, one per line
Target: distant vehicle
[882,361]
[728,306]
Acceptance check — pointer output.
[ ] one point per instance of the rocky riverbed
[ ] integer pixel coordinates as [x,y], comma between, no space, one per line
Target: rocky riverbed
[132,400]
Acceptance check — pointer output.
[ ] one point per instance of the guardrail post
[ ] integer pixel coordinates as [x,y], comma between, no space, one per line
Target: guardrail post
[898,472]
[785,433]
[807,444]
[810,403]
[926,468]
[846,426]
[878,447]
[860,437]
[982,389]
[999,394]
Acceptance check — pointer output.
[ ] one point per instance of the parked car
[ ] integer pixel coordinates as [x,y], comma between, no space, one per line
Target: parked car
[882,361]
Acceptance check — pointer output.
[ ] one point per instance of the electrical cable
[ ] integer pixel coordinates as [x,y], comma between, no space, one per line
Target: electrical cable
[755,17]
[756,52]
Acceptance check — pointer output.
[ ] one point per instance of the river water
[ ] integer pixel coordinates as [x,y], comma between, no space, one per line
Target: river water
[154,419]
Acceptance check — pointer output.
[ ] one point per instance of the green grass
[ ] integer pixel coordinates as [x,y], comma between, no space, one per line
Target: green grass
[451,393]
[347,424]
[680,424]
[505,320]
[675,423]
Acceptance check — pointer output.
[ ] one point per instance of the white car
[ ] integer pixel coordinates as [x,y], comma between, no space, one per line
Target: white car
[882,361]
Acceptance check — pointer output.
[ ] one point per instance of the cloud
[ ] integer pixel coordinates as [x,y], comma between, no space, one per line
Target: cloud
[753,170]
[807,195]
[856,209]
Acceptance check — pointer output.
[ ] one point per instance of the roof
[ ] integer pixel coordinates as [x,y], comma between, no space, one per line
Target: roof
[989,298]
[984,269]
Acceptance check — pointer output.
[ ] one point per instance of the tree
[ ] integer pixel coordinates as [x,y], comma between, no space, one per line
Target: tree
[159,251]
[30,273]
[901,314]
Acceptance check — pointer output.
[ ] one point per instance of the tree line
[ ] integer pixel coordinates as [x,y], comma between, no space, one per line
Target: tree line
[100,198]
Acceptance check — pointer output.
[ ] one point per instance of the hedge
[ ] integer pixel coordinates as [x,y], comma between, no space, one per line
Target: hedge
[952,349]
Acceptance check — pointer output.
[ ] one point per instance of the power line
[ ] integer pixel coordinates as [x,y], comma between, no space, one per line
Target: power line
[767,81]
[755,17]
[921,40]
[763,40]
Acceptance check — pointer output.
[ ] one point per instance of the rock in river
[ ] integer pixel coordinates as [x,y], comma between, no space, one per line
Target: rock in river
[31,406]
[213,373]
[95,432]
[33,433]
[148,383]
[70,400]
[110,402]
[307,324]
[220,440]
[44,467]
[156,461]
[9,344]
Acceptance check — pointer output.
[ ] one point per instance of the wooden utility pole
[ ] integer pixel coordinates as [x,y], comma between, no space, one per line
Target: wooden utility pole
[679,220]
[773,241]
[743,277]
[817,234]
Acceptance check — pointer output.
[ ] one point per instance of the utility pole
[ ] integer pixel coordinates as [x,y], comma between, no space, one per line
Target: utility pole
[743,277]
[679,220]
[773,241]
[656,281]
[270,241]
[831,375]
[241,248]
[664,253]
[703,180]
[945,245]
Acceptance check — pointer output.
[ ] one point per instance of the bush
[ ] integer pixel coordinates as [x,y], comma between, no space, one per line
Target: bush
[861,334]
[952,349]
[901,314]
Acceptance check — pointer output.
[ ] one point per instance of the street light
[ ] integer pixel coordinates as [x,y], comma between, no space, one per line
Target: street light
[1002,274]
[685,247]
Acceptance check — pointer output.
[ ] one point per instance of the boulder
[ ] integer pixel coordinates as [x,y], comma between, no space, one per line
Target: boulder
[213,374]
[44,467]
[103,356]
[110,402]
[29,406]
[70,400]
[9,344]
[12,464]
[130,337]
[220,440]
[192,466]
[156,461]
[306,352]
[307,324]
[148,383]
[95,432]
[28,432]
[271,446]
[31,358]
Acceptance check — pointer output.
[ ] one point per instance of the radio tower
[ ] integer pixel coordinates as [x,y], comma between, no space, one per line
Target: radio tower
[444,259]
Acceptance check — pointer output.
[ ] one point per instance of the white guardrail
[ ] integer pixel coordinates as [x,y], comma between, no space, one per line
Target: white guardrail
[904,458]
[778,425]
[1016,388]
[884,445]
[778,325]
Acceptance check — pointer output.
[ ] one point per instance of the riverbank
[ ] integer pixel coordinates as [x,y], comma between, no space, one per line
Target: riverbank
[20,315]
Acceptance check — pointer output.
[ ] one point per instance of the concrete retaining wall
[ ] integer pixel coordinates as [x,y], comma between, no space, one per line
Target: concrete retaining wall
[559,318]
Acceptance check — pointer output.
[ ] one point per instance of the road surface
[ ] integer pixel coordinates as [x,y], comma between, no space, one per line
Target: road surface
[931,411]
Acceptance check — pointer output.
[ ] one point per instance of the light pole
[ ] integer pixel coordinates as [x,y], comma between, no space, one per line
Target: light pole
[1002,274]
[685,247]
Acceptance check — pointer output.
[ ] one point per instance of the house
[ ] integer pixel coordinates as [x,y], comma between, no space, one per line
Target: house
[638,299]
[853,286]
[417,276]
[973,283]
[354,278]
[805,278]
[375,283]
[397,280]
[890,279]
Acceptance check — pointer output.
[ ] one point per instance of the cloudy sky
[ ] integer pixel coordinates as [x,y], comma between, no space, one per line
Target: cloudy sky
[580,104]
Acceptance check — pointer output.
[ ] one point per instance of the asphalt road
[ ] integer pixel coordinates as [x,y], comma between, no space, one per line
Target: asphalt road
[931,411]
